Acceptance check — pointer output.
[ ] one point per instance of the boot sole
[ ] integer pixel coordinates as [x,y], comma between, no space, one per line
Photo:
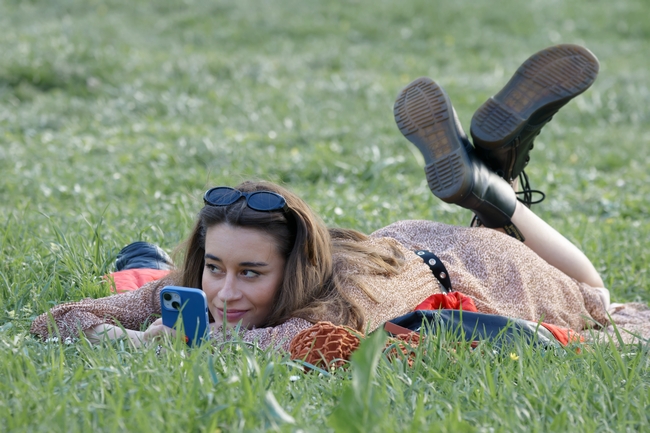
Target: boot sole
[541,86]
[425,116]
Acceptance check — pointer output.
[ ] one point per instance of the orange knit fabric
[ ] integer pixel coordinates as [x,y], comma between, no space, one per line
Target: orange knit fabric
[406,344]
[324,344]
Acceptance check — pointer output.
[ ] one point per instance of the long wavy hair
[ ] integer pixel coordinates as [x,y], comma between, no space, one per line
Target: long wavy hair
[312,287]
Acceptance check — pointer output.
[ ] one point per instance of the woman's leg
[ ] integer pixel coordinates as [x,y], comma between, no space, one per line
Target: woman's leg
[504,129]
[554,248]
[557,250]
[425,116]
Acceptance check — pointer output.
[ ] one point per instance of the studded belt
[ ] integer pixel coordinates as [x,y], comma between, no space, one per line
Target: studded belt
[437,267]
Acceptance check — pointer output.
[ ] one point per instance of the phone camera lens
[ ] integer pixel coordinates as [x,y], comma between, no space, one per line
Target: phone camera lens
[167,297]
[175,305]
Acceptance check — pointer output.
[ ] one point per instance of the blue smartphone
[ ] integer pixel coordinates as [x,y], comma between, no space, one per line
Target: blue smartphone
[185,310]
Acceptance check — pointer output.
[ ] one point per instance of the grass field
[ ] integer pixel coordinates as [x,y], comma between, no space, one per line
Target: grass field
[115,116]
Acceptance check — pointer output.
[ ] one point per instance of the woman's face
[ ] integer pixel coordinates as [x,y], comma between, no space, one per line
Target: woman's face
[243,272]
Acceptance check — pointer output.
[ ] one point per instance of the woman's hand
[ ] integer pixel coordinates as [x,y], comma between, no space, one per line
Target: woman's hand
[157,329]
[137,338]
[110,332]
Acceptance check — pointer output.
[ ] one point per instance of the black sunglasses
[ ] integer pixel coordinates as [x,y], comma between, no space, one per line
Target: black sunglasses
[263,201]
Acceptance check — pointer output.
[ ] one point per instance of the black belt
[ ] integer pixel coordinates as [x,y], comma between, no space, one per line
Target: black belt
[438,269]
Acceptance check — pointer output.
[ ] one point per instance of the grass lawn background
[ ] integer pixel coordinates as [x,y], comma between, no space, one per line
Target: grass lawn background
[115,117]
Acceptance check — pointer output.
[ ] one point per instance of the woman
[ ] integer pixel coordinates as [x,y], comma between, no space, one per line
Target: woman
[266,262]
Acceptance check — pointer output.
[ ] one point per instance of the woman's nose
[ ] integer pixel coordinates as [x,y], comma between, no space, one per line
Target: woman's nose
[229,291]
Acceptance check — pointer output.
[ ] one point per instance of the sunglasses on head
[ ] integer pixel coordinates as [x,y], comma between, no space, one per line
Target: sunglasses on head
[262,201]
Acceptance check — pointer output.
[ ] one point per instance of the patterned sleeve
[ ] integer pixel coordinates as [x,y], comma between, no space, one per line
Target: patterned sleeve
[277,337]
[594,305]
[131,310]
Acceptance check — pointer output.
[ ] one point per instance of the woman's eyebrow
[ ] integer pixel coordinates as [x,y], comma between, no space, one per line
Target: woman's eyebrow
[246,264]
[253,264]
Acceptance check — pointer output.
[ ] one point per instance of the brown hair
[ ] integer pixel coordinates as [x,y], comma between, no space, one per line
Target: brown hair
[312,285]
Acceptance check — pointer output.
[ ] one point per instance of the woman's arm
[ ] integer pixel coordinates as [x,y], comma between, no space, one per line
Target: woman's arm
[105,331]
[131,311]
[278,337]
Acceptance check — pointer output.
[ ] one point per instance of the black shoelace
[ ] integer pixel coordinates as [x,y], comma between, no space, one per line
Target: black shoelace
[526,194]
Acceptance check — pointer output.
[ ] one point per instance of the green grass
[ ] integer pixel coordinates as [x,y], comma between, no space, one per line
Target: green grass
[115,116]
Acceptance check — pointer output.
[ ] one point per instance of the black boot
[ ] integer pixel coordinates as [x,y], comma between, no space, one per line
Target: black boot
[142,255]
[504,127]
[455,175]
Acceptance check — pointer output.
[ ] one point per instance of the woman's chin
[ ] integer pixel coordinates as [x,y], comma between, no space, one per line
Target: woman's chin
[242,324]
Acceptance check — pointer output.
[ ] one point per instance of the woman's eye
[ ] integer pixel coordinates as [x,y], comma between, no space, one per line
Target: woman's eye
[249,274]
[212,268]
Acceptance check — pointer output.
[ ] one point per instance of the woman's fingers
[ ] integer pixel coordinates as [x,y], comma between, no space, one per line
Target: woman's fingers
[157,329]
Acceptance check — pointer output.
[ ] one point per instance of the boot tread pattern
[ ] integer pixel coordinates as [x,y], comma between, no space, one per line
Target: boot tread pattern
[443,175]
[542,85]
[495,117]
[424,99]
[425,117]
[564,70]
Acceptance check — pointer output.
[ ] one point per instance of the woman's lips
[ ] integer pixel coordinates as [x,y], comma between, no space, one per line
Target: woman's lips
[232,315]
